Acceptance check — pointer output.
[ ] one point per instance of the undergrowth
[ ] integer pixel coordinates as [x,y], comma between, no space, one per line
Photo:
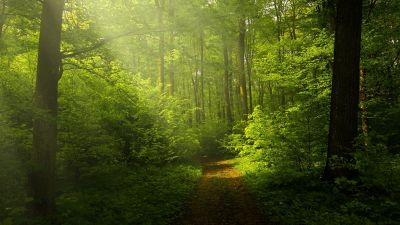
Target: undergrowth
[117,195]
[287,197]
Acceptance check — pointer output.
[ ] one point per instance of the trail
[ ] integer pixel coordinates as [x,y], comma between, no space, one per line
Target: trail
[221,198]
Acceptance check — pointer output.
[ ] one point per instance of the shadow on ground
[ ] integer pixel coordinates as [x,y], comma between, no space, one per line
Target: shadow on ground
[221,198]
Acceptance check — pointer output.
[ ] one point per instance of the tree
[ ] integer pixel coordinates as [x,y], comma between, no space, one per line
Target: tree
[3,10]
[160,7]
[203,111]
[227,100]
[42,178]
[345,90]
[242,78]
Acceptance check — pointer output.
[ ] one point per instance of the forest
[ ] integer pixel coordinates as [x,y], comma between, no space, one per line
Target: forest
[199,112]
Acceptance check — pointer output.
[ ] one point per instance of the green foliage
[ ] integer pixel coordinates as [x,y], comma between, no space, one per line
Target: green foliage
[294,137]
[211,134]
[109,195]
[296,198]
[120,138]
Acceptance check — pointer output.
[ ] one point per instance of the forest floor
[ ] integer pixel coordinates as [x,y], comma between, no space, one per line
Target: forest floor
[221,198]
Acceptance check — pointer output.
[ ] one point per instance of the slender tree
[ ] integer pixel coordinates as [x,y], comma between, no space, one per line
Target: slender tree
[171,14]
[42,177]
[250,40]
[160,7]
[345,90]
[242,78]
[3,11]
[203,111]
[227,101]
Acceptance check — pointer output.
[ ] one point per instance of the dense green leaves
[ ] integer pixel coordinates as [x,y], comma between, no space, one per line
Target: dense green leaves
[121,140]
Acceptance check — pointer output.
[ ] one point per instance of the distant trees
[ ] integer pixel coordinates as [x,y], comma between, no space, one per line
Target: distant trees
[345,90]
[42,178]
[160,5]
[242,77]
[3,11]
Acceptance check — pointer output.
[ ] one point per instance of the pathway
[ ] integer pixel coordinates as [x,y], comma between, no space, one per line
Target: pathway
[221,198]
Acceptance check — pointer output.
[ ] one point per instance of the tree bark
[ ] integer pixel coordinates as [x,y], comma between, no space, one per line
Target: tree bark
[203,111]
[231,83]
[249,65]
[242,80]
[345,91]
[3,17]
[42,177]
[226,86]
[161,70]
[171,48]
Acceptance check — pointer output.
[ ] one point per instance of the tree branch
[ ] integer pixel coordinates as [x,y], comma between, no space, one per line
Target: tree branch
[102,42]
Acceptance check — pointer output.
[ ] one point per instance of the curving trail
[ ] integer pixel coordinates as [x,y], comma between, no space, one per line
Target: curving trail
[221,198]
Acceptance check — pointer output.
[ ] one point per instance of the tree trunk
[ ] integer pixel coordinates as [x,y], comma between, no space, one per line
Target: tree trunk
[294,15]
[171,69]
[345,91]
[242,80]
[226,87]
[249,61]
[271,96]
[171,48]
[327,15]
[161,70]
[261,91]
[3,17]
[203,111]
[209,100]
[231,83]
[278,5]
[42,177]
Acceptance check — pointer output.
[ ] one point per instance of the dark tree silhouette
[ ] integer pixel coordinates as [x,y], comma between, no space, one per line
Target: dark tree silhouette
[42,178]
[345,90]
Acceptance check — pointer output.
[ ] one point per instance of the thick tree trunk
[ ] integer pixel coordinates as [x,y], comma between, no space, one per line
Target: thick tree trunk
[345,91]
[42,177]
[242,80]
[226,87]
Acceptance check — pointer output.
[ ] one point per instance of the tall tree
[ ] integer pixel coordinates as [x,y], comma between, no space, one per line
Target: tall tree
[42,177]
[171,14]
[3,11]
[345,90]
[203,111]
[227,100]
[160,7]
[250,40]
[242,78]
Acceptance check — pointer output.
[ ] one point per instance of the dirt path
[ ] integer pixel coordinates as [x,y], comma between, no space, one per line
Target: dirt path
[221,198]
